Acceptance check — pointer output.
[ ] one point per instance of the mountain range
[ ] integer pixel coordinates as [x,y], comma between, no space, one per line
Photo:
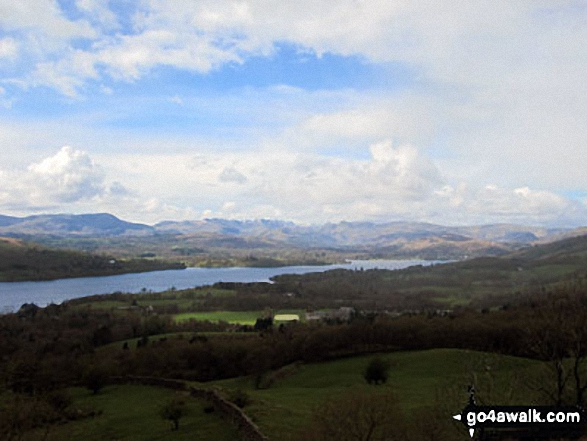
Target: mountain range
[400,239]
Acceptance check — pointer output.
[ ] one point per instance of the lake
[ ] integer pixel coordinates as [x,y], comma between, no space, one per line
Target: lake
[14,294]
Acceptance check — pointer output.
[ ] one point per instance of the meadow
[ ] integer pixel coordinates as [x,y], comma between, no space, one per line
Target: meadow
[420,380]
[234,317]
[131,413]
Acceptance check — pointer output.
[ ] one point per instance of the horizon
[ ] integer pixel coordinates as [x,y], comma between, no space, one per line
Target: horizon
[455,114]
[245,220]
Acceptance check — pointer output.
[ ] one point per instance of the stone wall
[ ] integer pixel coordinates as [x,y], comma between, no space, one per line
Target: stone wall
[247,429]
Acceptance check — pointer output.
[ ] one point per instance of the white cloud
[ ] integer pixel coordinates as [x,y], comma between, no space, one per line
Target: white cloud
[68,176]
[231,174]
[8,48]
[43,17]
[393,183]
[498,95]
[99,11]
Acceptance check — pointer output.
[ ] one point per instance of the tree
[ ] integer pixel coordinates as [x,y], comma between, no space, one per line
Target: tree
[173,411]
[359,416]
[377,371]
[95,378]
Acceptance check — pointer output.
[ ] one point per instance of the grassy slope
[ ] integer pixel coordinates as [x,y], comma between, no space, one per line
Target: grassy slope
[130,413]
[480,279]
[416,377]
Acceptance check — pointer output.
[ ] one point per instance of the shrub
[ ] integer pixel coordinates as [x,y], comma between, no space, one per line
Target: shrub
[95,378]
[173,411]
[377,371]
[240,398]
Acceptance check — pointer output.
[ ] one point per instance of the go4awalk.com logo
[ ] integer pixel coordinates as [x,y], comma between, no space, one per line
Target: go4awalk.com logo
[534,422]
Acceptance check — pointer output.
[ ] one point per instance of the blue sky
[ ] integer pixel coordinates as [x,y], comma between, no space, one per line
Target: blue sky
[449,112]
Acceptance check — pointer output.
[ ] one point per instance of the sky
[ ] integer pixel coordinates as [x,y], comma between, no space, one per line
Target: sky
[451,112]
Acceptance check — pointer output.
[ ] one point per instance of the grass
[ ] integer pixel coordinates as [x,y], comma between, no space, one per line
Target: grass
[236,317]
[131,413]
[417,378]
[241,317]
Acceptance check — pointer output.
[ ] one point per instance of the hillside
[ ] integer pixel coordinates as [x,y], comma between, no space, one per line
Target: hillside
[483,282]
[565,249]
[224,242]
[64,225]
[417,380]
[23,261]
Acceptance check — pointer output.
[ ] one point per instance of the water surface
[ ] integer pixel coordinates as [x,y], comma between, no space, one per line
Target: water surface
[14,294]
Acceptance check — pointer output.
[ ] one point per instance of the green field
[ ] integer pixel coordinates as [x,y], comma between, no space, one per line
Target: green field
[130,413]
[419,379]
[240,317]
[236,317]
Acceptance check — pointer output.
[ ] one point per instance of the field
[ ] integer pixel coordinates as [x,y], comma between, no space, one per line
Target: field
[235,317]
[419,379]
[131,413]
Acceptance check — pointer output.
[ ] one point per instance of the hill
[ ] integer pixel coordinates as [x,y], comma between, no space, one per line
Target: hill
[418,379]
[225,242]
[22,261]
[483,282]
[101,224]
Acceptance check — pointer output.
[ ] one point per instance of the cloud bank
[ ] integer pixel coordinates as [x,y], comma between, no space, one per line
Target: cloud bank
[393,183]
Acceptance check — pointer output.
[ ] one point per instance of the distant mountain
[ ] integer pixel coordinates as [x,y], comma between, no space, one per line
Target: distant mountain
[358,233]
[353,234]
[6,221]
[399,239]
[95,225]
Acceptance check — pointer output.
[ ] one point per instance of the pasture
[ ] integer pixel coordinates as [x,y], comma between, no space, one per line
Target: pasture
[235,317]
[419,380]
[131,413]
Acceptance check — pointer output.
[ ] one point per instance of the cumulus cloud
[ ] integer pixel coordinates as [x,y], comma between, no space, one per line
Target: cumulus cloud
[503,80]
[68,176]
[394,182]
[492,203]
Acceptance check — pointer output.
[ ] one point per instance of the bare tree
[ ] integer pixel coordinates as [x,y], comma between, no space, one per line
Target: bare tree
[557,334]
[359,416]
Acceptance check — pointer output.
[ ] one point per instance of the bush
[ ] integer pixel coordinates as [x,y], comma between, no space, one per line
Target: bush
[174,410]
[240,398]
[95,378]
[377,371]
